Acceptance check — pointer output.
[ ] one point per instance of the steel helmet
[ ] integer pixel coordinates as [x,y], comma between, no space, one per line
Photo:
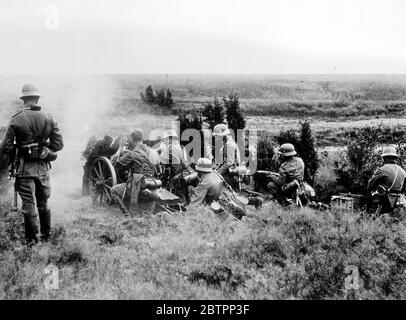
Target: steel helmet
[204,165]
[389,152]
[221,130]
[287,149]
[137,135]
[169,133]
[29,90]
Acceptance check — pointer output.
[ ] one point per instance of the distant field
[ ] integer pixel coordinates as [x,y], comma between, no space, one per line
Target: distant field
[277,95]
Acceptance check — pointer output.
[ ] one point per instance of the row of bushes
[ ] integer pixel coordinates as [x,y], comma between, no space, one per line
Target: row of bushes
[326,109]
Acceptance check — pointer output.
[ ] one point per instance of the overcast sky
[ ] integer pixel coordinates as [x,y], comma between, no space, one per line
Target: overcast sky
[202,36]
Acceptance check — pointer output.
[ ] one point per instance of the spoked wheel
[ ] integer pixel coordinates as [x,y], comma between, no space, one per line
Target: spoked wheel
[102,178]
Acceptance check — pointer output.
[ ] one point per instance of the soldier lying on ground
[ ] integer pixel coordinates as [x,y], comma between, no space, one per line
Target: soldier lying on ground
[388,182]
[141,163]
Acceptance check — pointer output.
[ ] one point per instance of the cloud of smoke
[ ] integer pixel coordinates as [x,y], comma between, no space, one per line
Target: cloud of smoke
[79,106]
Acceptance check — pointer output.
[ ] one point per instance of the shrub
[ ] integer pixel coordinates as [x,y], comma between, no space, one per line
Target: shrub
[213,113]
[359,160]
[307,151]
[191,121]
[305,147]
[234,117]
[162,97]
[265,154]
[149,96]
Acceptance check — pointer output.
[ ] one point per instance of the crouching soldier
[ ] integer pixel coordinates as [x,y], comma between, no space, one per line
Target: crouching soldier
[140,163]
[214,191]
[290,177]
[37,138]
[387,183]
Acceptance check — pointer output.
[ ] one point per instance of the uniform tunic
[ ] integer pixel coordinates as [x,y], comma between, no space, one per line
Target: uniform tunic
[20,128]
[230,152]
[209,188]
[291,170]
[386,175]
[28,126]
[141,160]
[172,154]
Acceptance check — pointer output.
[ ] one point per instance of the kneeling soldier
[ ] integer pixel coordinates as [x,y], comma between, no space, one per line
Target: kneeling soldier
[141,161]
[290,175]
[388,181]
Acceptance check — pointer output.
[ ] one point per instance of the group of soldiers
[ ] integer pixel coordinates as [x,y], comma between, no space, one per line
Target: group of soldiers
[213,181]
[32,140]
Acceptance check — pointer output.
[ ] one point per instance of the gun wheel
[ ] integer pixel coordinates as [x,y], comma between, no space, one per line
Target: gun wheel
[102,178]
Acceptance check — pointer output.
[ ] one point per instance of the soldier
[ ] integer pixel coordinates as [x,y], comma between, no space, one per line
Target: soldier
[141,160]
[290,176]
[175,167]
[229,152]
[230,156]
[210,186]
[388,180]
[37,138]
[172,154]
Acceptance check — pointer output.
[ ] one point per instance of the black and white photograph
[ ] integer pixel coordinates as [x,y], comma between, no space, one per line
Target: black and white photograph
[229,151]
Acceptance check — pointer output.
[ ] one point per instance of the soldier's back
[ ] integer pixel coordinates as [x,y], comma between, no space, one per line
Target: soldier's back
[26,122]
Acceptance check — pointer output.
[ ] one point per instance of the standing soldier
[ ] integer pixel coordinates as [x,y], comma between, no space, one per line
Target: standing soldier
[388,180]
[37,139]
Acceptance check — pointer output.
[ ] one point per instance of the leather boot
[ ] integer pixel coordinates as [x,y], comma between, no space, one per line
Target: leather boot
[45,223]
[256,201]
[31,230]
[123,207]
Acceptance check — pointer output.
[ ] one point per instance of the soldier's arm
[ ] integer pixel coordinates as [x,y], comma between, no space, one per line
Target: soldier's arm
[281,178]
[125,160]
[200,193]
[7,144]
[374,181]
[55,137]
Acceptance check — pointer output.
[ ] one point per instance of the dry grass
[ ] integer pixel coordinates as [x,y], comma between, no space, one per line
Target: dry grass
[278,254]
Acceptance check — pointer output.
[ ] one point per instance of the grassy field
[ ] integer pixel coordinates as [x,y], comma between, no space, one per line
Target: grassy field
[277,254]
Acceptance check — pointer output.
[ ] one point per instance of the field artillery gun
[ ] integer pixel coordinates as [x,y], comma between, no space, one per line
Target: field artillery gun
[103,176]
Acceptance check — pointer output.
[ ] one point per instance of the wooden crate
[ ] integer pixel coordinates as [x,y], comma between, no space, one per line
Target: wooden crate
[347,202]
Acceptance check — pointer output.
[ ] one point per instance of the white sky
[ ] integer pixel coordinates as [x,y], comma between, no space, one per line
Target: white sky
[203,36]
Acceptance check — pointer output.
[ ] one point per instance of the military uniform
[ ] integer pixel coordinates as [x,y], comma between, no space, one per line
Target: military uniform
[173,155]
[231,156]
[142,160]
[209,188]
[289,171]
[29,126]
[392,177]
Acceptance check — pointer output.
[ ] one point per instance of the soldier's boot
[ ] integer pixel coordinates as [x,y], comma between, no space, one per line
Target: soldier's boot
[122,207]
[31,230]
[45,223]
[256,201]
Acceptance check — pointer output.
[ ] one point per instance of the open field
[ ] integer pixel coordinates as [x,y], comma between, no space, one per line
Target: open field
[279,254]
